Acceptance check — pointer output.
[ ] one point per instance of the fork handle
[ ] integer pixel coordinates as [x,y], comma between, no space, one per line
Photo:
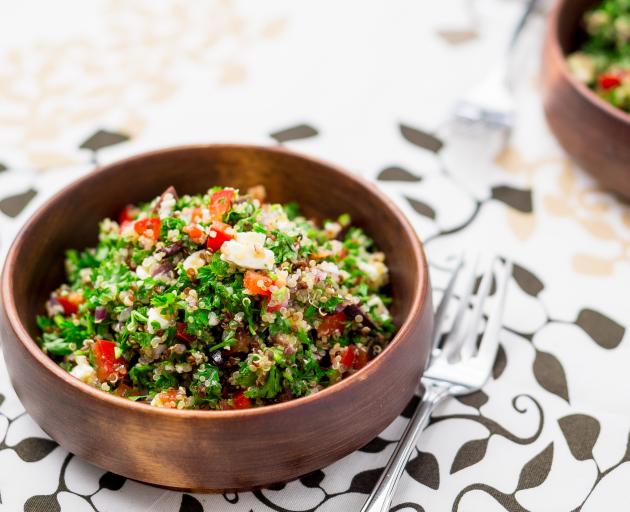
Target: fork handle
[382,494]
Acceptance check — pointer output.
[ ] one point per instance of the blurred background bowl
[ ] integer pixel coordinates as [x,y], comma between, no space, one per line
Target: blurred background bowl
[594,133]
[205,450]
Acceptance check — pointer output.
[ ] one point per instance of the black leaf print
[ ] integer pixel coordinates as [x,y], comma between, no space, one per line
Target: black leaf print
[278,486]
[411,407]
[507,501]
[422,139]
[499,363]
[301,131]
[111,481]
[626,457]
[519,199]
[605,332]
[425,469]
[581,432]
[421,208]
[190,504]
[469,454]
[550,374]
[102,139]
[493,285]
[42,503]
[476,399]
[376,445]
[535,472]
[527,281]
[13,205]
[1,398]
[402,507]
[231,497]
[365,481]
[397,174]
[3,167]
[313,479]
[33,449]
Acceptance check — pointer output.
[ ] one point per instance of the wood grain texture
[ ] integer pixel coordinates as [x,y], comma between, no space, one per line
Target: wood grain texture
[212,449]
[594,133]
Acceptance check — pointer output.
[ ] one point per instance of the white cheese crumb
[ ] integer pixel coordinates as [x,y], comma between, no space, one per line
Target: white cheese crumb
[83,371]
[247,251]
[156,315]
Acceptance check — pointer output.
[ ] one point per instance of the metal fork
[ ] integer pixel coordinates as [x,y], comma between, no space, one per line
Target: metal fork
[458,367]
[491,103]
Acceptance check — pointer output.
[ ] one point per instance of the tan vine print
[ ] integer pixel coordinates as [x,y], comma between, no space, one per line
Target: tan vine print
[600,214]
[55,93]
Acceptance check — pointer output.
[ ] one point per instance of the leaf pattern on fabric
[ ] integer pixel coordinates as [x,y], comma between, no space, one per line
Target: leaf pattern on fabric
[605,332]
[111,481]
[424,469]
[313,479]
[519,199]
[301,131]
[421,207]
[103,139]
[476,399]
[581,432]
[190,504]
[33,449]
[421,138]
[376,445]
[13,205]
[550,374]
[526,280]
[365,481]
[535,472]
[3,167]
[42,503]
[470,453]
[396,173]
[499,363]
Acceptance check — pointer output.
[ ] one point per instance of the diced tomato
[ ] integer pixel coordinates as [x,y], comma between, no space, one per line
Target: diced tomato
[127,214]
[241,401]
[257,283]
[123,390]
[609,81]
[195,234]
[218,235]
[360,358]
[69,307]
[168,398]
[272,308]
[106,361]
[331,324]
[220,203]
[196,214]
[182,334]
[150,226]
[347,357]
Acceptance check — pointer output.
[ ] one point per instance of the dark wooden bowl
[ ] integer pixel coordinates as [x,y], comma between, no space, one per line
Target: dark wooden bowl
[206,450]
[593,132]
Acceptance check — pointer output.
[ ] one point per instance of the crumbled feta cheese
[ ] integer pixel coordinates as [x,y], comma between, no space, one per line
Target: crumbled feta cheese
[195,261]
[247,251]
[213,319]
[83,371]
[156,315]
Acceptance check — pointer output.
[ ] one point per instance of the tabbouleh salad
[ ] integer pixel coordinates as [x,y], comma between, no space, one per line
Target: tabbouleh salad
[603,61]
[218,301]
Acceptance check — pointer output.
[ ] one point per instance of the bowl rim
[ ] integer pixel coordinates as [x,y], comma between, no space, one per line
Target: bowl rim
[23,337]
[581,88]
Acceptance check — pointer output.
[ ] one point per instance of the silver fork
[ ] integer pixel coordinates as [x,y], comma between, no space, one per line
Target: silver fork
[491,103]
[458,367]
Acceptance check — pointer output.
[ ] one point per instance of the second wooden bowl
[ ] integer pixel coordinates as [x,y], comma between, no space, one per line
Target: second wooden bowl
[206,450]
[593,132]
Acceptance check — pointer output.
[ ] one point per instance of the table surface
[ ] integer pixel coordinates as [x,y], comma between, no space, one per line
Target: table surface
[369,86]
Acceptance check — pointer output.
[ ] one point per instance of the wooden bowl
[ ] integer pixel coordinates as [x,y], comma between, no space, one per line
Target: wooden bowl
[593,132]
[205,450]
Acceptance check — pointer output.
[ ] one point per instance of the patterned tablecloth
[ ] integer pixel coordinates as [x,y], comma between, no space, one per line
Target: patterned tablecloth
[369,86]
